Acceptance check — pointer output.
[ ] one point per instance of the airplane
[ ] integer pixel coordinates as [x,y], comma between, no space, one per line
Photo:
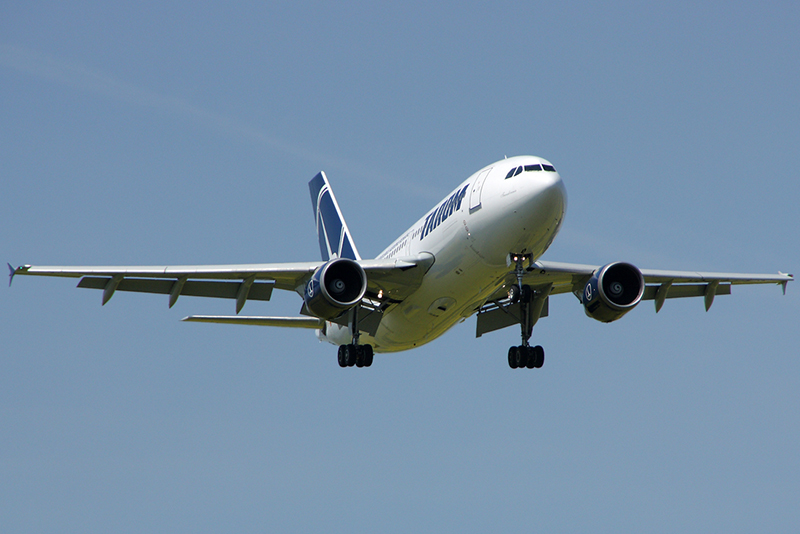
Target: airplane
[476,252]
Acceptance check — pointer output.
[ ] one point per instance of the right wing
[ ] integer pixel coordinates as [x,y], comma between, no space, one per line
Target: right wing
[391,279]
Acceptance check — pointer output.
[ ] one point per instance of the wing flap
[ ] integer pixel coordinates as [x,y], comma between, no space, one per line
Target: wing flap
[685,290]
[502,314]
[191,288]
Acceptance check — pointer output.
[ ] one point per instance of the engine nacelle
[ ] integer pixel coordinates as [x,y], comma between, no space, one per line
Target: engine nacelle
[613,291]
[335,287]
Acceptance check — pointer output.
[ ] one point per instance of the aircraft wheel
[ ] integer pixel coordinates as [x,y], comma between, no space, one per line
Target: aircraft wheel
[349,355]
[521,354]
[368,354]
[512,359]
[538,358]
[342,360]
[513,293]
[359,355]
[531,357]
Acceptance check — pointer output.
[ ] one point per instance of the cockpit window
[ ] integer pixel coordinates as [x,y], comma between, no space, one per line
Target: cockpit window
[528,168]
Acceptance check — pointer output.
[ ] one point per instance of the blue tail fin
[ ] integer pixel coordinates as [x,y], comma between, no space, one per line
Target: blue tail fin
[334,236]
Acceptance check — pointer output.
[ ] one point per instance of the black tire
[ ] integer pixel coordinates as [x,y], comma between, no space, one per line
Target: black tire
[539,356]
[368,354]
[359,355]
[522,356]
[531,357]
[512,360]
[513,293]
[342,361]
[350,355]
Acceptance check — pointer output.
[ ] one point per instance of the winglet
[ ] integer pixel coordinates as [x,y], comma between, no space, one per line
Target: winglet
[12,272]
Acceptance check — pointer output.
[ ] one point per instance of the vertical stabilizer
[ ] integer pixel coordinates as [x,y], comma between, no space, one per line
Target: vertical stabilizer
[334,236]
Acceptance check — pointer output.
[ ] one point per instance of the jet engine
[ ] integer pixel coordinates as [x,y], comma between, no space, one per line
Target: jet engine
[335,287]
[613,291]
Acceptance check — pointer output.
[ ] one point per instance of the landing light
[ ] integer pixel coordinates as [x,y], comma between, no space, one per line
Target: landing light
[380,294]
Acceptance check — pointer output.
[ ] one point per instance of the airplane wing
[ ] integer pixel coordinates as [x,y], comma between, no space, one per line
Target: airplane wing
[569,277]
[391,279]
[660,284]
[553,278]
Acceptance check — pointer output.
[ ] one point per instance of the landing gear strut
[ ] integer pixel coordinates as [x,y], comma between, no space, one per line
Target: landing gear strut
[531,301]
[353,353]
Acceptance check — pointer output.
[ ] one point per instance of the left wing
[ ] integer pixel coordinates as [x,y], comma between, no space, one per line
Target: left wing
[394,278]
[551,278]
[661,284]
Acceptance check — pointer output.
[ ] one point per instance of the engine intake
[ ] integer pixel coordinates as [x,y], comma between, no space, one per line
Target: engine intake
[613,291]
[335,287]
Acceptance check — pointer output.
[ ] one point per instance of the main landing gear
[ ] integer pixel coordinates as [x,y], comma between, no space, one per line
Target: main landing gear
[526,356]
[353,353]
[358,355]
[531,301]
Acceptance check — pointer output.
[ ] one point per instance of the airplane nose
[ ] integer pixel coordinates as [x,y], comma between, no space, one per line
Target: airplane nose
[550,195]
[543,213]
[558,192]
[525,218]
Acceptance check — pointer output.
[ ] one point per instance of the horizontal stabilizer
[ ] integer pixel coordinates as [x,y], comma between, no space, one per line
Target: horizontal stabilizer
[290,322]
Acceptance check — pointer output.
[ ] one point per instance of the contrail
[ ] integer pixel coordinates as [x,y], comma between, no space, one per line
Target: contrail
[81,78]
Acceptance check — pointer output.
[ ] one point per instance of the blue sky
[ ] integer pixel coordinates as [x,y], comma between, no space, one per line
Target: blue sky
[187,133]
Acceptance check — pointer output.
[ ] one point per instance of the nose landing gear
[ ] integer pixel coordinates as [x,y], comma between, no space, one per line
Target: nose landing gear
[531,301]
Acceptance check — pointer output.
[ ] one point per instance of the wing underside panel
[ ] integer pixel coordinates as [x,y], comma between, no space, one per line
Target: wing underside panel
[191,288]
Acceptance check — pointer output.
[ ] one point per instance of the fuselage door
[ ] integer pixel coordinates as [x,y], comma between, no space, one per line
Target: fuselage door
[475,192]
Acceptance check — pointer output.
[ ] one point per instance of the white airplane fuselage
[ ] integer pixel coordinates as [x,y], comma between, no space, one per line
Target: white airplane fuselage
[470,242]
